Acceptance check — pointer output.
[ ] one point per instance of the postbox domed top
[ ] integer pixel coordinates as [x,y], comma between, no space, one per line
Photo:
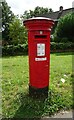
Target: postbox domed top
[38,18]
[36,22]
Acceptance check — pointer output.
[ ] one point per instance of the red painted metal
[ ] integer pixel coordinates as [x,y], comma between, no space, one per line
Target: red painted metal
[39,30]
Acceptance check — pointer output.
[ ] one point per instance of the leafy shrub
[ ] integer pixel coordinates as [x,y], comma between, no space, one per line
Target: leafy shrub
[52,45]
[15,50]
[64,30]
[61,46]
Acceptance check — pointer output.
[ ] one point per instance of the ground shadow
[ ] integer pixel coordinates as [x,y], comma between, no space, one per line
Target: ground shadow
[31,108]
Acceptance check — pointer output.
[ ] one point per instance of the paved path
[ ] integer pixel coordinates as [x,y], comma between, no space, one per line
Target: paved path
[64,114]
[61,114]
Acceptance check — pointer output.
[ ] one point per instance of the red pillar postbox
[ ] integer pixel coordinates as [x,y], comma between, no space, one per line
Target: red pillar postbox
[39,29]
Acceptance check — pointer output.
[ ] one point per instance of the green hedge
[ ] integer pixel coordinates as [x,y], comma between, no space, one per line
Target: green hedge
[15,50]
[61,46]
[23,48]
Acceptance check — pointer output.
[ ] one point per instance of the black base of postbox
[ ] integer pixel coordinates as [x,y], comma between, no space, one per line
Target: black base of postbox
[38,92]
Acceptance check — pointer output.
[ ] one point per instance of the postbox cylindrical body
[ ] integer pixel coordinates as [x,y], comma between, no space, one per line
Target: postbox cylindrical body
[39,30]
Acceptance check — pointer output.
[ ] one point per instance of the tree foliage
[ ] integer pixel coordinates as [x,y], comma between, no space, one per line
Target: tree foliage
[13,32]
[7,17]
[37,11]
[65,28]
[17,32]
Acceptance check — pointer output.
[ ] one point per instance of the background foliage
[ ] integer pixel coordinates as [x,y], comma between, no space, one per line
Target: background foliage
[65,29]
[37,11]
[7,17]
[15,34]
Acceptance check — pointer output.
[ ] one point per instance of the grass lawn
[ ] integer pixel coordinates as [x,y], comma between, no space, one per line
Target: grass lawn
[15,77]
